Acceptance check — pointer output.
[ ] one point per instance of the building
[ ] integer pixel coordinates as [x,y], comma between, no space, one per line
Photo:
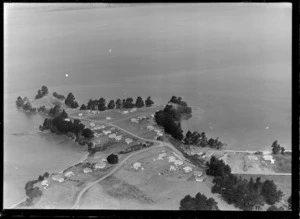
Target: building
[150,127]
[104,160]
[142,117]
[92,124]
[134,120]
[269,158]
[152,115]
[125,112]
[137,165]
[133,110]
[58,178]
[80,114]
[87,170]
[45,183]
[69,174]
[108,118]
[106,132]
[198,173]
[68,120]
[161,156]
[101,127]
[178,163]
[252,157]
[172,168]
[128,140]
[100,165]
[172,159]
[198,179]
[267,152]
[112,135]
[118,138]
[159,134]
[94,112]
[187,169]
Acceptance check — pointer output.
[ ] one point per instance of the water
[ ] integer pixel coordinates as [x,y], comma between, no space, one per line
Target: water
[232,63]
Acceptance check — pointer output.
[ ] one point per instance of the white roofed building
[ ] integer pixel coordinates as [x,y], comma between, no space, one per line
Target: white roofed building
[108,118]
[58,178]
[134,120]
[87,170]
[118,138]
[69,174]
[92,124]
[100,165]
[125,112]
[187,169]
[161,156]
[68,120]
[137,165]
[150,127]
[171,159]
[106,132]
[198,173]
[178,162]
[172,168]
[128,140]
[80,114]
[269,157]
[112,135]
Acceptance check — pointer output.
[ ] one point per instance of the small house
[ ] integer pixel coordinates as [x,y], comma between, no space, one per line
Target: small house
[141,117]
[152,115]
[128,140]
[198,179]
[133,110]
[150,127]
[58,178]
[134,120]
[198,173]
[108,118]
[69,174]
[159,134]
[101,127]
[104,160]
[45,183]
[100,165]
[171,159]
[187,169]
[87,170]
[137,165]
[178,162]
[172,168]
[118,138]
[161,156]
[68,120]
[269,157]
[125,112]
[92,124]
[80,114]
[112,135]
[106,132]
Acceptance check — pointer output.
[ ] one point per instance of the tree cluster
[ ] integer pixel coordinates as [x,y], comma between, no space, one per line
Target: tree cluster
[242,193]
[199,202]
[59,125]
[70,101]
[58,96]
[42,92]
[127,103]
[276,148]
[25,104]
[197,139]
[32,192]
[112,159]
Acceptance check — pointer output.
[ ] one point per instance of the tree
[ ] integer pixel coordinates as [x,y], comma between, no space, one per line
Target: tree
[111,104]
[118,104]
[128,103]
[102,104]
[70,99]
[282,149]
[87,133]
[39,95]
[217,168]
[149,102]
[123,103]
[41,178]
[200,202]
[27,106]
[58,96]
[64,115]
[275,147]
[74,105]
[44,90]
[270,192]
[46,175]
[139,102]
[112,159]
[83,107]
[19,102]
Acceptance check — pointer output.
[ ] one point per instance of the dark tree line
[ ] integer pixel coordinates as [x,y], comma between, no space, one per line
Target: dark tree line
[25,104]
[58,124]
[199,202]
[58,96]
[42,92]
[242,193]
[276,148]
[127,103]
[169,118]
[70,101]
[197,139]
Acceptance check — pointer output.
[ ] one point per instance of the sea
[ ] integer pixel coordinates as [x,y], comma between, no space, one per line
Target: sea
[230,62]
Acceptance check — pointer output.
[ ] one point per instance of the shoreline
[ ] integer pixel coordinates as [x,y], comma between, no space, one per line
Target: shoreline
[60,171]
